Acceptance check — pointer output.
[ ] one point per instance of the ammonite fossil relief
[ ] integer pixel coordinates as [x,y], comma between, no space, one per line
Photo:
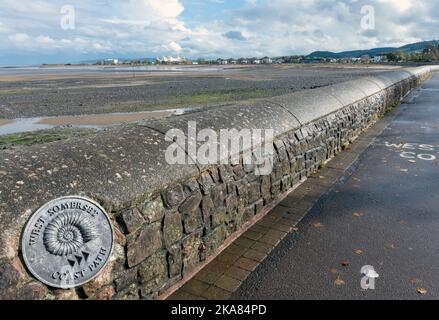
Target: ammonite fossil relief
[68,232]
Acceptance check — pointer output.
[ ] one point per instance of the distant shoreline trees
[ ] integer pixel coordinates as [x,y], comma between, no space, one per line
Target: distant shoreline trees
[429,54]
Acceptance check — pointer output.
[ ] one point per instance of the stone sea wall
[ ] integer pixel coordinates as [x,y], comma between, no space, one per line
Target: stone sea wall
[169,219]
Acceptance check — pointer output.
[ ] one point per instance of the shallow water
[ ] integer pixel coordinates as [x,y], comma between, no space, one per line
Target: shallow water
[35,70]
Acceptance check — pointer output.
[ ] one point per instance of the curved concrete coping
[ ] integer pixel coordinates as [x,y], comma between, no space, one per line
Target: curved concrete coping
[389,79]
[117,166]
[309,105]
[367,86]
[347,93]
[259,115]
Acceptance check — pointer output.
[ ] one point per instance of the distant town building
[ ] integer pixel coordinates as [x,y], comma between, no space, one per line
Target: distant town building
[110,62]
[266,60]
[171,60]
[365,58]
[380,59]
[222,61]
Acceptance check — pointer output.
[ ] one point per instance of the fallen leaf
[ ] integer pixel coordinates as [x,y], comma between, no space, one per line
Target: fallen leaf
[415,280]
[390,246]
[295,229]
[358,214]
[422,291]
[317,225]
[358,251]
[403,222]
[339,282]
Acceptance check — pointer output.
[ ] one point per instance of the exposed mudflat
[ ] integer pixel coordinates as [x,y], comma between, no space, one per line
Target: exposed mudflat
[66,91]
[102,119]
[5,121]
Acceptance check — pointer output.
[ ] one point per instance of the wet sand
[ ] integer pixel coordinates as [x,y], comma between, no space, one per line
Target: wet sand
[103,119]
[4,122]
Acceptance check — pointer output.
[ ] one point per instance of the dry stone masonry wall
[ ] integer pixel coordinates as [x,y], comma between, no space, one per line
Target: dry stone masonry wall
[168,219]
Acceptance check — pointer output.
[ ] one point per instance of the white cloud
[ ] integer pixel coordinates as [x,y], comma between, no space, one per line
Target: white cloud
[19,37]
[257,27]
[174,47]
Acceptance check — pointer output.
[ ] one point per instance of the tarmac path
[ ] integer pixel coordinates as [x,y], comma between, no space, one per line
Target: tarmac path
[386,215]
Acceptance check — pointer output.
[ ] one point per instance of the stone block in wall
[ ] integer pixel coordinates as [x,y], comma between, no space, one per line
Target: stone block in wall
[249,212]
[259,206]
[143,244]
[282,154]
[153,210]
[219,217]
[285,183]
[105,293]
[192,220]
[207,208]
[191,186]
[11,274]
[191,203]
[239,216]
[114,267]
[31,291]
[175,261]
[172,228]
[231,187]
[241,188]
[193,248]
[226,173]
[219,195]
[130,293]
[238,171]
[254,191]
[214,174]
[125,279]
[173,196]
[215,238]
[231,203]
[300,163]
[153,272]
[265,186]
[276,189]
[206,182]
[132,220]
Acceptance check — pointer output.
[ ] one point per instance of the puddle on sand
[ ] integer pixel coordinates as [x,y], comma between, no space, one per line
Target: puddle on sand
[22,125]
[95,121]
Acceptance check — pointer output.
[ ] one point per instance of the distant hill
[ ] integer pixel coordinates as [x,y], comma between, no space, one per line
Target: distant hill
[409,48]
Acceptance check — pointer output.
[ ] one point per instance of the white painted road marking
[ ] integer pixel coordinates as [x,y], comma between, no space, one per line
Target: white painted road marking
[416,150]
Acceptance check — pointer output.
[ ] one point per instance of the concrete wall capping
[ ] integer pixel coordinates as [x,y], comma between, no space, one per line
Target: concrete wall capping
[169,219]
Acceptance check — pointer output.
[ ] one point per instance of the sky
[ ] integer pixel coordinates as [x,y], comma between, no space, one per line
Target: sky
[63,31]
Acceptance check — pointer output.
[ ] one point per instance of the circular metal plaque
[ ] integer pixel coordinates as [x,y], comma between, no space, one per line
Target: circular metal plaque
[67,242]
